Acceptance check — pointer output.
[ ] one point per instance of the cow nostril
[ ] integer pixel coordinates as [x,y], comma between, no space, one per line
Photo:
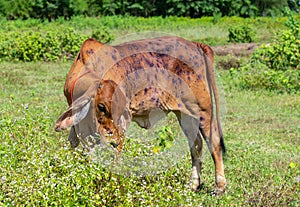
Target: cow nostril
[114,144]
[109,133]
[58,129]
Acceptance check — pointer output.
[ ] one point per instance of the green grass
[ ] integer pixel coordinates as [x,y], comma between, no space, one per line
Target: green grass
[38,168]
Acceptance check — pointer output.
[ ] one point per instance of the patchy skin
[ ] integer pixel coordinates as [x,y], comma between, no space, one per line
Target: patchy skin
[165,74]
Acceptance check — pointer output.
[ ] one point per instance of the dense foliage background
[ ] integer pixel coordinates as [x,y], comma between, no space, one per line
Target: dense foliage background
[51,9]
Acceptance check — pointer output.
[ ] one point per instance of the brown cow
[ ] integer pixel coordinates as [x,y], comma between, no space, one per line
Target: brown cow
[109,86]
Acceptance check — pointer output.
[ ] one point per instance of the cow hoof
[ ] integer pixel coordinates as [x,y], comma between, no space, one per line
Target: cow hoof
[218,191]
[74,143]
[195,185]
[220,185]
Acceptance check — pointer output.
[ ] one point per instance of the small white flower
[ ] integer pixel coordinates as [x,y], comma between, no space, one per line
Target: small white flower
[3,179]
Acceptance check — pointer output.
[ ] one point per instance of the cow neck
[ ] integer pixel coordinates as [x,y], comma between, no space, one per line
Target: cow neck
[74,82]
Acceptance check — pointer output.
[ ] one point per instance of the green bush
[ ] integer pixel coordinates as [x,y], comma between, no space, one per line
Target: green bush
[37,45]
[165,139]
[275,67]
[241,34]
[44,45]
[259,76]
[284,52]
[103,35]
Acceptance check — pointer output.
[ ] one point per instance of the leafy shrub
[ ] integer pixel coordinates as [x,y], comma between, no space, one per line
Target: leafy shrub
[284,52]
[275,67]
[241,34]
[103,35]
[259,76]
[35,46]
[44,45]
[165,139]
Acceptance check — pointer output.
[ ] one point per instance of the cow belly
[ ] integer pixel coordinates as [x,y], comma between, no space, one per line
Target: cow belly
[149,119]
[149,106]
[151,98]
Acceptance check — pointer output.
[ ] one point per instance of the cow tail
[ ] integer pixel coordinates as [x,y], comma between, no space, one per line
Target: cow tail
[209,58]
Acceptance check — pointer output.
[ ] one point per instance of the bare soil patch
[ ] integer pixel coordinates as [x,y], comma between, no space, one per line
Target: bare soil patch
[241,49]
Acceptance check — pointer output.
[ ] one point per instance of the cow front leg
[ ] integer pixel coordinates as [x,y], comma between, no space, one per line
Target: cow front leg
[73,138]
[190,127]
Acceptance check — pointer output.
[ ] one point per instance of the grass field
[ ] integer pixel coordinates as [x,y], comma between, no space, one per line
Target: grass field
[38,167]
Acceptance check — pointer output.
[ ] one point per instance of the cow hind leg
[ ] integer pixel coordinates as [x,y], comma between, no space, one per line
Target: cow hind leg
[190,127]
[216,146]
[196,155]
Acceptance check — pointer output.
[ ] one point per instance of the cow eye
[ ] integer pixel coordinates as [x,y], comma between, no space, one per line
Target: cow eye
[102,108]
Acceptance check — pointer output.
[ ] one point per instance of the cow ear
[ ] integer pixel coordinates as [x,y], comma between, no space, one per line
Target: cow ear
[120,111]
[88,49]
[124,120]
[75,113]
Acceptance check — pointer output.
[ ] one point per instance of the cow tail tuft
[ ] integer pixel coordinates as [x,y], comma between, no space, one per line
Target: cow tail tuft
[222,143]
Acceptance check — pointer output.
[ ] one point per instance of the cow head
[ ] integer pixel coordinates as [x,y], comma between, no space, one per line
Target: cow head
[100,115]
